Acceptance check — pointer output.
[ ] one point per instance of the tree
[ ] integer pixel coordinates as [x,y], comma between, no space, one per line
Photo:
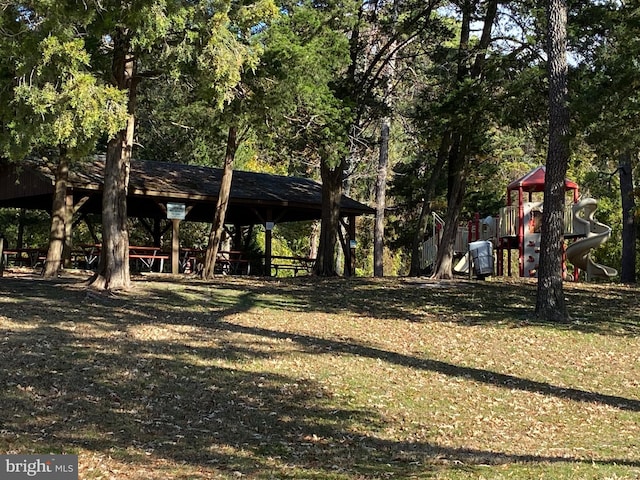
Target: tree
[550,302]
[59,108]
[460,149]
[113,270]
[146,40]
[302,117]
[246,53]
[221,206]
[629,228]
[381,189]
[376,40]
[383,154]
[607,103]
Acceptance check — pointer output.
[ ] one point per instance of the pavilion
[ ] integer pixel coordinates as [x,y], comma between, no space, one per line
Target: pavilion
[179,192]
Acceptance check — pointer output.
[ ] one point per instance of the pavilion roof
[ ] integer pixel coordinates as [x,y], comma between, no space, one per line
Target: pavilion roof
[254,196]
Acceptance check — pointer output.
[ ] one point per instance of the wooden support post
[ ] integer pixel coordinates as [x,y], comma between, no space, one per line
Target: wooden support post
[175,246]
[21,222]
[521,231]
[269,224]
[1,256]
[68,223]
[352,245]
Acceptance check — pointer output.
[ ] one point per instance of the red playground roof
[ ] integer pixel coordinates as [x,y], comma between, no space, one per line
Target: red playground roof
[534,182]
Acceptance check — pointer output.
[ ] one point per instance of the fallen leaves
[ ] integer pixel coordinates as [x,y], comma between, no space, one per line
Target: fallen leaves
[344,379]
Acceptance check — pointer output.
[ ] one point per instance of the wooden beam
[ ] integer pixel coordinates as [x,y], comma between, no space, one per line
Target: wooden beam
[1,255]
[175,246]
[268,225]
[80,204]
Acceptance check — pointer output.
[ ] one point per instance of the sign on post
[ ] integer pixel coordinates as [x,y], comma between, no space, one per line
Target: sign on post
[176,211]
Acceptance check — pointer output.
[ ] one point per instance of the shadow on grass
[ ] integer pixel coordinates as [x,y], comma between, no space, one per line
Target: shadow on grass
[477,374]
[111,391]
[608,310]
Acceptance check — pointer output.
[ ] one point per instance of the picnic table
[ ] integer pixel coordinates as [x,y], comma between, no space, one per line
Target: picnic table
[29,257]
[142,257]
[147,256]
[87,254]
[228,262]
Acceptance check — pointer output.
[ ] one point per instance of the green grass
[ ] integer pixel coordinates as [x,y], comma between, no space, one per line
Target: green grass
[308,378]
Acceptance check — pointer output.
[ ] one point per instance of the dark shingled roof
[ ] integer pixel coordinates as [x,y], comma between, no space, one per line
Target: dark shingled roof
[255,197]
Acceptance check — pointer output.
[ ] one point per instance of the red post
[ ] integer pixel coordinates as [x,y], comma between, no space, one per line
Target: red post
[521,232]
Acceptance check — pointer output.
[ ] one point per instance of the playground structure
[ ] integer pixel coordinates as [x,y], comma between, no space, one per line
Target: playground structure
[518,228]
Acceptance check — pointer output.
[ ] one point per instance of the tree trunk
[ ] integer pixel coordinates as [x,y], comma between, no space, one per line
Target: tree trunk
[113,273]
[443,268]
[443,153]
[550,303]
[314,239]
[457,171]
[217,227]
[59,219]
[381,189]
[459,155]
[21,224]
[628,271]
[331,197]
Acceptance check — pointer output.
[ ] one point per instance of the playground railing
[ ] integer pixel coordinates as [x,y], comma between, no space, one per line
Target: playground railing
[509,221]
[428,253]
[462,239]
[568,220]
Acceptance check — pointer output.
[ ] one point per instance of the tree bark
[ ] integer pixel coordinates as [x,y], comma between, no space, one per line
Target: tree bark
[381,189]
[314,239]
[425,211]
[459,154]
[1,255]
[113,273]
[59,219]
[330,222]
[550,302]
[457,179]
[217,227]
[443,268]
[628,271]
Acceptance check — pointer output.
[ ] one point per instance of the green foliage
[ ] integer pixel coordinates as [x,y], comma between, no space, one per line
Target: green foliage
[296,79]
[34,223]
[293,238]
[499,109]
[57,102]
[303,57]
[607,101]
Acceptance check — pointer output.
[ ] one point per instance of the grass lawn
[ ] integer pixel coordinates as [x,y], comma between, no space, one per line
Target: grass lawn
[307,378]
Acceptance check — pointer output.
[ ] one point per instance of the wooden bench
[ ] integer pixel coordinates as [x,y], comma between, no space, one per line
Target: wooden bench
[233,263]
[294,264]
